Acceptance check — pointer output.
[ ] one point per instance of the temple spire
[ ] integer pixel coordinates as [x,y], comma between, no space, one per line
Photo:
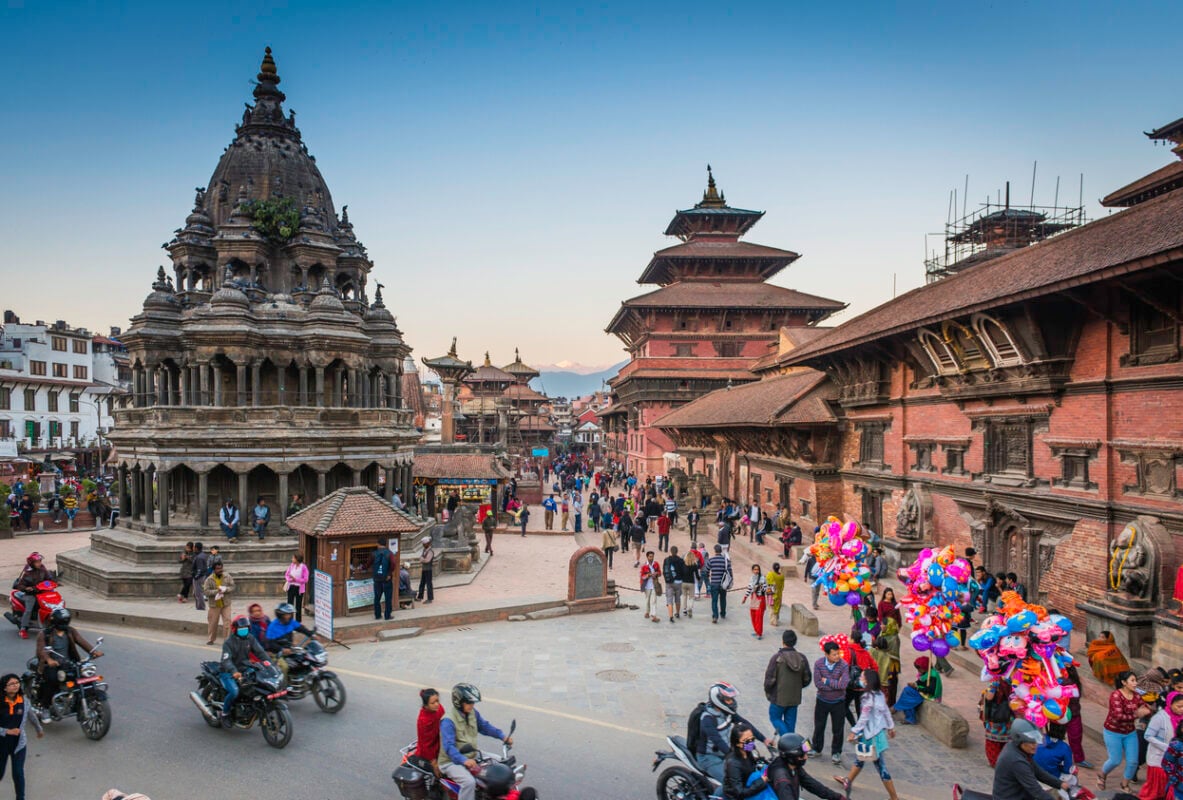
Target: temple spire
[711,198]
[488,362]
[452,350]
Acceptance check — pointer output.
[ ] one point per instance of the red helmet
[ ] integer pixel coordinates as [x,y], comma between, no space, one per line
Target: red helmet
[33,557]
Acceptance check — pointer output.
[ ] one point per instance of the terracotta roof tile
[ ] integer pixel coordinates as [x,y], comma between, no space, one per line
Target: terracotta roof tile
[662,268]
[783,400]
[730,294]
[457,465]
[1161,180]
[354,510]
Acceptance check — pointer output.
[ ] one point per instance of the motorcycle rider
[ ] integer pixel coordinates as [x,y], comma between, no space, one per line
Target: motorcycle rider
[499,785]
[786,774]
[278,636]
[59,636]
[459,731]
[1016,775]
[714,729]
[236,657]
[34,572]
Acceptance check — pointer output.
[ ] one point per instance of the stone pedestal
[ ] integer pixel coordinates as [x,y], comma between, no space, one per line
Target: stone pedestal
[456,559]
[1132,623]
[902,552]
[1168,638]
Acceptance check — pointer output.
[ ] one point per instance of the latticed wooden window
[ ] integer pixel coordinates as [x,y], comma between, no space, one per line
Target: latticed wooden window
[871,444]
[1008,448]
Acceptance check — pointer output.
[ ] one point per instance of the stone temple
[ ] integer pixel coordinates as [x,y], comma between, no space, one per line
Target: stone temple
[260,368]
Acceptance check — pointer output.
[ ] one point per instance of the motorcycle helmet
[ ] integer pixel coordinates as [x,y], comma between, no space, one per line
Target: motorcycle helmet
[465,693]
[60,619]
[34,558]
[240,624]
[499,780]
[723,697]
[793,748]
[1023,732]
[285,608]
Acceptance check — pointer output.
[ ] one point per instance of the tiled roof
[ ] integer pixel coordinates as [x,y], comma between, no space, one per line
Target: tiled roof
[694,294]
[1161,180]
[1093,252]
[535,423]
[794,399]
[353,510]
[457,465]
[522,391]
[660,266]
[796,336]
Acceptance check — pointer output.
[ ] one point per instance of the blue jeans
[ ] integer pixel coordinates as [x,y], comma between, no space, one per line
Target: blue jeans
[231,531]
[784,718]
[7,751]
[884,775]
[1117,745]
[231,687]
[718,602]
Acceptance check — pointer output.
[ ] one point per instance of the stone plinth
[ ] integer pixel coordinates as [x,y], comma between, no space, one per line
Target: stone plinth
[1132,623]
[1168,638]
[902,552]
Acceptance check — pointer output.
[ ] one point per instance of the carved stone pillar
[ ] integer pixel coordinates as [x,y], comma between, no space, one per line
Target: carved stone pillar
[240,385]
[205,398]
[137,386]
[256,382]
[321,485]
[338,387]
[244,503]
[320,387]
[302,400]
[149,496]
[281,393]
[124,492]
[392,383]
[150,389]
[357,477]
[282,500]
[183,397]
[355,390]
[162,487]
[203,498]
[137,491]
[219,395]
[389,483]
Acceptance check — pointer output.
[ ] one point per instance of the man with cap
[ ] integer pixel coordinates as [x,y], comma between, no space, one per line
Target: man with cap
[428,562]
[383,579]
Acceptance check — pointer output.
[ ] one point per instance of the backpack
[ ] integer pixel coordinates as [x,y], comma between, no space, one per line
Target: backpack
[693,735]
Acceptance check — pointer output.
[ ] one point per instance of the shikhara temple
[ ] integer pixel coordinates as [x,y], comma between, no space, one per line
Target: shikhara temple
[1026,402]
[713,314]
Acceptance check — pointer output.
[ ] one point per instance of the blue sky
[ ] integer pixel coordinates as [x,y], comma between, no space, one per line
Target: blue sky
[511,167]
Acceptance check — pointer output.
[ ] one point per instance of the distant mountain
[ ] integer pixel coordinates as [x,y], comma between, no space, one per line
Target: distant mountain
[561,383]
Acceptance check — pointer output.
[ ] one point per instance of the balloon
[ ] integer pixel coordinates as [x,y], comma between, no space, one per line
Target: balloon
[940,648]
[837,599]
[953,640]
[853,599]
[920,642]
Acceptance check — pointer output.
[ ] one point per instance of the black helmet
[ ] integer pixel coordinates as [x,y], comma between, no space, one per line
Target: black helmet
[285,608]
[465,693]
[499,780]
[241,622]
[60,619]
[793,748]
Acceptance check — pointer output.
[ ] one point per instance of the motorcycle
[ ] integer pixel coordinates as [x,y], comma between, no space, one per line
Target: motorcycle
[259,700]
[47,597]
[416,779]
[684,779]
[82,693]
[1075,793]
[307,673]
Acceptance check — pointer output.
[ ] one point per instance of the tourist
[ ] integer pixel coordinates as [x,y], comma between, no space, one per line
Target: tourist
[565,510]
[638,538]
[219,588]
[228,518]
[1126,706]
[888,667]
[382,573]
[673,569]
[872,731]
[926,687]
[1106,659]
[577,511]
[488,525]
[609,543]
[295,583]
[297,504]
[888,608]
[71,505]
[259,622]
[718,571]
[786,675]
[624,526]
[1172,765]
[987,593]
[427,726]
[15,713]
[260,516]
[201,570]
[691,571]
[723,537]
[650,577]
[867,629]
[757,592]
[692,518]
[831,676]
[593,512]
[427,563]
[524,518]
[776,585]
[740,764]
[700,588]
[663,533]
[186,572]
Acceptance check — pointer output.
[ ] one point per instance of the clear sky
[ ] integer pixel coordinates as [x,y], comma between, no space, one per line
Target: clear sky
[511,167]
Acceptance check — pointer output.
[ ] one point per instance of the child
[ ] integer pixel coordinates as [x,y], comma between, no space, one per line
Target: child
[1054,755]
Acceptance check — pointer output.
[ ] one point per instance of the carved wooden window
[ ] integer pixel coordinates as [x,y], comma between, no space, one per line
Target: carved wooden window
[805,504]
[1075,470]
[997,341]
[923,456]
[1155,473]
[728,349]
[871,444]
[756,488]
[1154,331]
[954,460]
[873,510]
[939,352]
[1008,448]
[684,350]
[785,486]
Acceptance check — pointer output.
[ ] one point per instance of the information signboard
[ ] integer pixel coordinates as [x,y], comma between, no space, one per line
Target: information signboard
[540,452]
[322,607]
[359,594]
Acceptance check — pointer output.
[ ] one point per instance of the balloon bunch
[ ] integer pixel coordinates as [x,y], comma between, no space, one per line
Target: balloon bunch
[938,585]
[841,553]
[853,653]
[1021,644]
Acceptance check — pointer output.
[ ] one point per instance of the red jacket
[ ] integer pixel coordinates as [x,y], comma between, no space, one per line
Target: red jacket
[650,571]
[427,745]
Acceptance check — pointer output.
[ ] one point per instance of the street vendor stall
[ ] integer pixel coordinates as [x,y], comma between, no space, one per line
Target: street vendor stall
[474,479]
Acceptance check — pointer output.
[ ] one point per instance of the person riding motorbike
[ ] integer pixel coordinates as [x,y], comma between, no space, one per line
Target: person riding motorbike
[786,773]
[499,780]
[714,729]
[278,636]
[34,573]
[740,764]
[65,640]
[1016,775]
[459,731]
[236,657]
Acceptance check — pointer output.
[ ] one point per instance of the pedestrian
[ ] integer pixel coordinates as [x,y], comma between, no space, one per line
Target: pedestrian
[609,543]
[28,507]
[260,516]
[723,537]
[382,572]
[692,519]
[700,585]
[427,562]
[577,511]
[186,572]
[228,519]
[757,592]
[888,666]
[1172,764]
[927,686]
[1126,706]
[831,676]
[867,629]
[776,586]
[15,713]
[524,518]
[71,505]
[565,511]
[54,507]
[872,731]
[219,588]
[638,538]
[786,675]
[488,525]
[813,572]
[1075,722]
[663,533]
[650,581]
[295,583]
[673,569]
[593,512]
[201,570]
[718,569]
[995,712]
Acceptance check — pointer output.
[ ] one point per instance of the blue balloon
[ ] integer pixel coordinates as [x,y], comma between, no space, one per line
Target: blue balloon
[837,599]
[952,639]
[1063,622]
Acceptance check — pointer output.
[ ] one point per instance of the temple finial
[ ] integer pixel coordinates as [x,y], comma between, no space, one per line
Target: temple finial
[516,356]
[378,296]
[267,68]
[452,352]
[711,197]
[488,362]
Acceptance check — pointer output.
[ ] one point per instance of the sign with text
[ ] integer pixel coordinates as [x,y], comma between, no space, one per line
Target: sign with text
[322,607]
[359,594]
[7,448]
[540,452]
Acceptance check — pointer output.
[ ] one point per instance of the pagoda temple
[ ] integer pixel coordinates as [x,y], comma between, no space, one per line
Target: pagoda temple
[713,314]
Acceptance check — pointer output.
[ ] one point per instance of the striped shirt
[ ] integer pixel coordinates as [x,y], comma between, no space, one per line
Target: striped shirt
[717,567]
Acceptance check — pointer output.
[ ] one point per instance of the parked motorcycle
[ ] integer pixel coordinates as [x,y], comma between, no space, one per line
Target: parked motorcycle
[684,780]
[307,673]
[81,692]
[416,779]
[47,599]
[259,700]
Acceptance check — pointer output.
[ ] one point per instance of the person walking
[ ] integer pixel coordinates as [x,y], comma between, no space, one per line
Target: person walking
[776,584]
[638,538]
[295,583]
[186,572]
[757,592]
[219,588]
[691,571]
[718,569]
[723,537]
[549,506]
[692,518]
[201,570]
[260,516]
[1126,706]
[831,675]
[427,560]
[872,731]
[650,575]
[228,519]
[488,525]
[524,518]
[577,511]
[663,532]
[15,713]
[609,543]
[565,511]
[673,569]
[786,675]
[700,586]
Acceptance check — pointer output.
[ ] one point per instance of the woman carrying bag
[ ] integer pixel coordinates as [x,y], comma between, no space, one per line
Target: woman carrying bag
[871,732]
[758,591]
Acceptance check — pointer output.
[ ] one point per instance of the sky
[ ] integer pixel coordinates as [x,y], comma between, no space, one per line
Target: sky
[511,167]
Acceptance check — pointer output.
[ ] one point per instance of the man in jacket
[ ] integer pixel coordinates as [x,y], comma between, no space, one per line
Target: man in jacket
[717,568]
[218,588]
[1016,775]
[384,579]
[488,525]
[549,506]
[236,657]
[228,519]
[832,676]
[787,776]
[64,640]
[673,569]
[260,516]
[787,674]
[459,733]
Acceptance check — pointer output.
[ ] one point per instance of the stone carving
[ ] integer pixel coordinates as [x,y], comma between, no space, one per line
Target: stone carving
[589,576]
[907,519]
[1132,560]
